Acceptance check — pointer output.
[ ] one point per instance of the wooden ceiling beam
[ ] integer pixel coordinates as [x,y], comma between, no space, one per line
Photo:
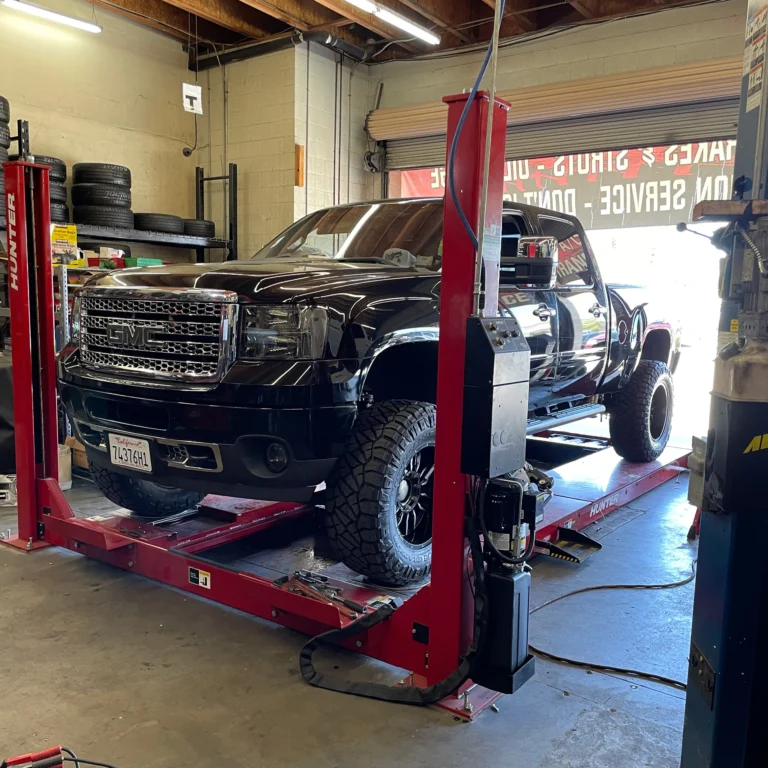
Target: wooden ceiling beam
[583,9]
[301,14]
[518,17]
[230,14]
[177,22]
[445,14]
[369,21]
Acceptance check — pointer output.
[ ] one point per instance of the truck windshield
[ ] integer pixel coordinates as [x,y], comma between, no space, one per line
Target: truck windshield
[405,233]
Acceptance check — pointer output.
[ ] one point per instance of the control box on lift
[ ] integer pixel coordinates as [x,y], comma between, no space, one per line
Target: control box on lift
[496,372]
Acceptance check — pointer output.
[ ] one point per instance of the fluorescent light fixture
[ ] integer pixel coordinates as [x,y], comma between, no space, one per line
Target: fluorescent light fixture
[44,13]
[407,26]
[364,5]
[396,20]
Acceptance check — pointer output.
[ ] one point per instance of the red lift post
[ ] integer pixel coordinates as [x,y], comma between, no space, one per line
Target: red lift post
[432,629]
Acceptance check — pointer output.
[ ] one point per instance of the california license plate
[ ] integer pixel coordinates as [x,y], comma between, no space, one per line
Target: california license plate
[130,452]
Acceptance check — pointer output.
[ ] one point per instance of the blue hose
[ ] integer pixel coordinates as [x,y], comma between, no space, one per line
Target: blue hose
[455,142]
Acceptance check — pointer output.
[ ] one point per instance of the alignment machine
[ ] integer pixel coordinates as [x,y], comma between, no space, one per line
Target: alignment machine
[725,704]
[461,649]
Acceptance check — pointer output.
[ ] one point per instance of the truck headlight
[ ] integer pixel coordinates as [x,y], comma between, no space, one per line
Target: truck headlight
[283,333]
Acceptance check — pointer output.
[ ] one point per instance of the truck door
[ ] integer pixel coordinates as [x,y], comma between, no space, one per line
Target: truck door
[582,310]
[535,312]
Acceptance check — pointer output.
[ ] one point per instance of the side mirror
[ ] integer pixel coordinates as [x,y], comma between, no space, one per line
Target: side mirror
[535,265]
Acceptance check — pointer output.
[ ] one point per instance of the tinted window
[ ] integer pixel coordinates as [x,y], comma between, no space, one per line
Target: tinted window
[573,265]
[512,229]
[407,234]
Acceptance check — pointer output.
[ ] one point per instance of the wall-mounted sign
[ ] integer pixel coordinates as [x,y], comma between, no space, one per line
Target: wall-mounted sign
[192,97]
[649,186]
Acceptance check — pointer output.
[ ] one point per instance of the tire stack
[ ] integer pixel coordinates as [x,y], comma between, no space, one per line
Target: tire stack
[101,195]
[57,176]
[5,142]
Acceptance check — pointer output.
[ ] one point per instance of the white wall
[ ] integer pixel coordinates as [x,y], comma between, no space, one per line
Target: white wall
[250,121]
[315,129]
[659,39]
[114,97]
[256,112]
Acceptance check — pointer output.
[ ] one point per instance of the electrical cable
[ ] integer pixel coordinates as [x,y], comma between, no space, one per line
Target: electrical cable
[488,540]
[608,667]
[72,755]
[457,135]
[80,761]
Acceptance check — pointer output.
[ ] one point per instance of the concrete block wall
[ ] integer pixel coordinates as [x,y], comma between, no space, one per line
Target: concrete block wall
[257,111]
[249,120]
[329,96]
[113,97]
[677,36]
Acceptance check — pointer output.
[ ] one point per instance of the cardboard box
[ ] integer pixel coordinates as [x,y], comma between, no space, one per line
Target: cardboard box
[65,467]
[78,452]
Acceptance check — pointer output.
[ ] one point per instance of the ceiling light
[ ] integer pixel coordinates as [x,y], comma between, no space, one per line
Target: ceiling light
[364,5]
[396,20]
[407,26]
[44,13]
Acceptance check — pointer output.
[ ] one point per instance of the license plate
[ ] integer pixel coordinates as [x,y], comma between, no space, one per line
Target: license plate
[130,452]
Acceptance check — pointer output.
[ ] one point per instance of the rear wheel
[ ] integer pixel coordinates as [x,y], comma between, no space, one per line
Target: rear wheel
[143,497]
[379,508]
[641,414]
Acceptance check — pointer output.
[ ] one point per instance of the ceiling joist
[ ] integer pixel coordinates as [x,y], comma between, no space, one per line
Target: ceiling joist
[456,22]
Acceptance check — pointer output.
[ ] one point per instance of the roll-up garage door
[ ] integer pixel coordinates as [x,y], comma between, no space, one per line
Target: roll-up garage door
[667,105]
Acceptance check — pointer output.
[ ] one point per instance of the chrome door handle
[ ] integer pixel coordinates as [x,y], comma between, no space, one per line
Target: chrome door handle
[596,310]
[543,312]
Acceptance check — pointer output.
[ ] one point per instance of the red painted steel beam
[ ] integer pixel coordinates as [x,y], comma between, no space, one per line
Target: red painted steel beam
[450,623]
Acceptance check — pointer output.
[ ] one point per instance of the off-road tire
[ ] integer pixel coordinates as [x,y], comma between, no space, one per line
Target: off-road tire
[641,413]
[362,493]
[199,228]
[5,135]
[3,155]
[104,216]
[5,110]
[143,497]
[59,213]
[159,222]
[101,194]
[58,192]
[101,173]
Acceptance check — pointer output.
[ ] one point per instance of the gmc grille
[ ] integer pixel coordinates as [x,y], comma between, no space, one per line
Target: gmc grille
[184,335]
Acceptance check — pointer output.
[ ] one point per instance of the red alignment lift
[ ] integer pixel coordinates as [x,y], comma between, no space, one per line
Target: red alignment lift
[202,553]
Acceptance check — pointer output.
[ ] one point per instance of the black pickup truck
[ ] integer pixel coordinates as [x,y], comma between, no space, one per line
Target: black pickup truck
[315,363]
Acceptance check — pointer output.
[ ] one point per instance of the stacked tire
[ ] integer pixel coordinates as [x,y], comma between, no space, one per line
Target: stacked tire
[101,195]
[199,228]
[57,177]
[5,142]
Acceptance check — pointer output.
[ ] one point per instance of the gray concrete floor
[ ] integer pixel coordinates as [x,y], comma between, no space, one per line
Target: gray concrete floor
[139,675]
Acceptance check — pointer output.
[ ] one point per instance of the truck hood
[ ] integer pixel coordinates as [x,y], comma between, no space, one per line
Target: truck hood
[277,280]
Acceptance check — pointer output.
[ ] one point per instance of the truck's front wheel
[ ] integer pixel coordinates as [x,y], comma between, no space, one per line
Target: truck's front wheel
[143,497]
[641,414]
[379,509]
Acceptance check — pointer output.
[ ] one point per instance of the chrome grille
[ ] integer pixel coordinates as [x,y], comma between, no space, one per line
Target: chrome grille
[185,334]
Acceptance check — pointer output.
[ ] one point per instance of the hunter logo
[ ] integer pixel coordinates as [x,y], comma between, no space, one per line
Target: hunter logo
[124,335]
[13,244]
[758,443]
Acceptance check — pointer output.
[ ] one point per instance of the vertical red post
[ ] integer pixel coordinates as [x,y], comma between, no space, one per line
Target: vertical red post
[449,633]
[33,361]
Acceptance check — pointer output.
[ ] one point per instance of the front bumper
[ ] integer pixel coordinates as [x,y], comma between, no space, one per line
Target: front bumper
[213,448]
